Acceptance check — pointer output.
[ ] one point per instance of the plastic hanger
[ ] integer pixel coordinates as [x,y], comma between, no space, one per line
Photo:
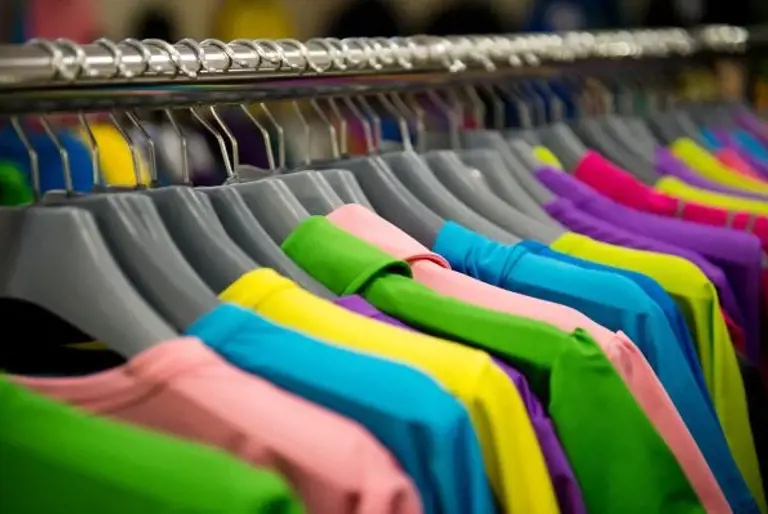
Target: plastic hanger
[249,234]
[465,174]
[389,197]
[197,231]
[140,243]
[532,195]
[56,258]
[417,176]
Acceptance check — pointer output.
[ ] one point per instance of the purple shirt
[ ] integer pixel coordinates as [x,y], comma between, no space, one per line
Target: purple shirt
[566,487]
[668,164]
[714,250]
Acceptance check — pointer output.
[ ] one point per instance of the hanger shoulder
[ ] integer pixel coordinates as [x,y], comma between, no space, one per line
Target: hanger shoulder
[57,259]
[274,205]
[346,186]
[313,191]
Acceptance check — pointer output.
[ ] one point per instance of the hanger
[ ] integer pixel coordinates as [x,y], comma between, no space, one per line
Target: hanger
[245,229]
[310,187]
[389,197]
[475,186]
[414,172]
[192,222]
[57,259]
[531,195]
[140,243]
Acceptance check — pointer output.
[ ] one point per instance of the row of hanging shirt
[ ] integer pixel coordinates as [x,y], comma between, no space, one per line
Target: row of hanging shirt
[560,319]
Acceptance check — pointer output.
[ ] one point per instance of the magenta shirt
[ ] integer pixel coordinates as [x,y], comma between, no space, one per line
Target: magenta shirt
[719,252]
[567,488]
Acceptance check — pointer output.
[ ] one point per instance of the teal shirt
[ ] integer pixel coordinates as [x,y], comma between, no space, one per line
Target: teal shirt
[615,302]
[430,434]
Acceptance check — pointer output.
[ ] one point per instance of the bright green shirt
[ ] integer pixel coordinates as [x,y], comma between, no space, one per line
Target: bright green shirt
[55,459]
[619,459]
[697,299]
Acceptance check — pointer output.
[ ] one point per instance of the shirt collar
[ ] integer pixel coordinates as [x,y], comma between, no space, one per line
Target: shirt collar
[342,262]
[374,229]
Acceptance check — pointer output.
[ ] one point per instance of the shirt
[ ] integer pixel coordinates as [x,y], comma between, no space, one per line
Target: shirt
[757,400]
[435,272]
[611,300]
[569,497]
[683,191]
[698,301]
[59,460]
[183,388]
[736,253]
[668,164]
[568,372]
[430,434]
[514,465]
[706,165]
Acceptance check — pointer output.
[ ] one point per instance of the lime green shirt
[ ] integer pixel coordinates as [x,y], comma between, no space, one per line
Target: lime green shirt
[679,189]
[55,459]
[568,372]
[697,299]
[700,161]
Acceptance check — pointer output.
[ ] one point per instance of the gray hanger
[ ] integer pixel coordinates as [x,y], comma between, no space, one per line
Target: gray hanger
[530,137]
[640,131]
[417,176]
[524,153]
[664,126]
[57,259]
[592,133]
[471,187]
[197,231]
[140,243]
[640,144]
[566,145]
[389,197]
[346,187]
[490,154]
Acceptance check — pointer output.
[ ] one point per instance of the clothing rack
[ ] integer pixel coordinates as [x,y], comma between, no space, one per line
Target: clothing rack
[48,76]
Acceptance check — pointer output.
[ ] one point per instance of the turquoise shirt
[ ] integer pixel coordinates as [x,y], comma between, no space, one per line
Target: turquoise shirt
[615,302]
[425,428]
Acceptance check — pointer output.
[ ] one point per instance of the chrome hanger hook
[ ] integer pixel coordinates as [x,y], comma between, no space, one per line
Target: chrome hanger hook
[376,134]
[173,53]
[370,146]
[121,70]
[135,156]
[231,137]
[146,58]
[93,147]
[228,168]
[307,131]
[405,133]
[231,56]
[331,129]
[136,122]
[249,44]
[34,160]
[185,175]
[68,184]
[280,135]
[264,135]
[343,127]
[57,58]
[80,58]
[309,63]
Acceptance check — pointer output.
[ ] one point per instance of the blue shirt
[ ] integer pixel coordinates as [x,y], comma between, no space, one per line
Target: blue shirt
[615,302]
[427,430]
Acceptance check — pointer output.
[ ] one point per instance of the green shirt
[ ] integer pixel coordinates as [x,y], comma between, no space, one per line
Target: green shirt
[55,459]
[620,461]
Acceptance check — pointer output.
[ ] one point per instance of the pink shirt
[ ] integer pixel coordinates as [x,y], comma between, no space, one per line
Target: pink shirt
[433,271]
[183,388]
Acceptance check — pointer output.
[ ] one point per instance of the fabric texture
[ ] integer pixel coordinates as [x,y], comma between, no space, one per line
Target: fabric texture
[435,272]
[706,165]
[59,460]
[737,254]
[569,496]
[697,299]
[514,465]
[568,372]
[430,435]
[183,388]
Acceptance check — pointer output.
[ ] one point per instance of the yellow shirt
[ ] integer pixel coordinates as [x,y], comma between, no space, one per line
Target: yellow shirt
[512,455]
[546,157]
[697,298]
[115,157]
[708,166]
[679,189]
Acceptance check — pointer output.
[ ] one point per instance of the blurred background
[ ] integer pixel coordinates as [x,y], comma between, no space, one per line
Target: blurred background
[83,20]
